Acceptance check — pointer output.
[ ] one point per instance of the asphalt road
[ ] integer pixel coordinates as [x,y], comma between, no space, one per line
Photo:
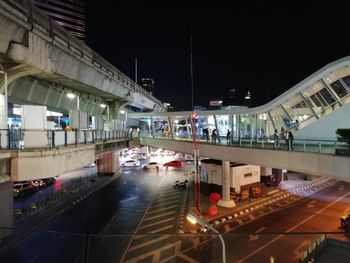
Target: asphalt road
[119,207]
[283,233]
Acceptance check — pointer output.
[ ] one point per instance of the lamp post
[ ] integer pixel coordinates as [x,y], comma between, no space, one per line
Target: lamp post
[196,220]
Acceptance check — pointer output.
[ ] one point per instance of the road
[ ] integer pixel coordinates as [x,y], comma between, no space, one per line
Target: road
[117,208]
[284,232]
[137,219]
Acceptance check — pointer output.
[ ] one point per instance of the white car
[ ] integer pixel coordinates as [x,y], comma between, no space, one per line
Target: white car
[151,165]
[131,163]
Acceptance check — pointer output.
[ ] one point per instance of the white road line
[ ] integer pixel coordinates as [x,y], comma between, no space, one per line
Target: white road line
[158,222]
[160,229]
[153,217]
[162,209]
[291,229]
[153,206]
[187,258]
[154,240]
[167,199]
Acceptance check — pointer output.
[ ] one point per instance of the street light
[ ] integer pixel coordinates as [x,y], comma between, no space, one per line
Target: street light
[196,220]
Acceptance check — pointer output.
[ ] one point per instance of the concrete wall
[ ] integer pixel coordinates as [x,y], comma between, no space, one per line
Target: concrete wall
[313,163]
[239,175]
[244,175]
[6,205]
[35,164]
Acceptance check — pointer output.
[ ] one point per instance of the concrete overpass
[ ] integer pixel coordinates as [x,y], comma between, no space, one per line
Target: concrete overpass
[43,62]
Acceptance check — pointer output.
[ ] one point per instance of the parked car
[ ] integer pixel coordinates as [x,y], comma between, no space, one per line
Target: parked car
[39,183]
[151,165]
[174,164]
[49,181]
[131,163]
[23,188]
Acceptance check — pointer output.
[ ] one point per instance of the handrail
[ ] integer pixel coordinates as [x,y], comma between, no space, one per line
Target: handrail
[54,31]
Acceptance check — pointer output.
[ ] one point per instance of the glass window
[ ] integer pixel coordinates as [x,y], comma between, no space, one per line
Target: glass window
[280,118]
[297,109]
[339,89]
[318,96]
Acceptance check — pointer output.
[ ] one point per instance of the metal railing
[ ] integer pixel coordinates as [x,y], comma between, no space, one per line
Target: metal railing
[326,146]
[24,139]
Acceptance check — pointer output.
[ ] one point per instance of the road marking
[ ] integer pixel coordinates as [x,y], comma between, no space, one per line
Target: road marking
[156,253]
[311,204]
[256,237]
[187,258]
[291,229]
[160,229]
[153,217]
[158,222]
[165,208]
[162,204]
[154,240]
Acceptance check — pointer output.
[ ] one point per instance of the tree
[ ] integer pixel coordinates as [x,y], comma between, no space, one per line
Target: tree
[343,135]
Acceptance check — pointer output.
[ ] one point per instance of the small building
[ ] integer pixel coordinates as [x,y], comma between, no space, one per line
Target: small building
[242,176]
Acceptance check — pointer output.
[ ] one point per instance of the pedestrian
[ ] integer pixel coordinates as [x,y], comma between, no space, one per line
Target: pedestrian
[284,136]
[276,139]
[228,137]
[213,136]
[290,140]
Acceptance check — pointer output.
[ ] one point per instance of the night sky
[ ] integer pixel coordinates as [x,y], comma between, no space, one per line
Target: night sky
[259,48]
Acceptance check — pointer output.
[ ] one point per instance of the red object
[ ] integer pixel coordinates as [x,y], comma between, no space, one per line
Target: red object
[213,210]
[174,164]
[214,198]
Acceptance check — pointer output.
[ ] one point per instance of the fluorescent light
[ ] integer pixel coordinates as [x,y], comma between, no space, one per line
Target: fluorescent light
[191,218]
[103,105]
[71,95]
[122,111]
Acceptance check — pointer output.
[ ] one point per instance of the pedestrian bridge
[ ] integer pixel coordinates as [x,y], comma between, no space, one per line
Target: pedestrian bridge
[312,111]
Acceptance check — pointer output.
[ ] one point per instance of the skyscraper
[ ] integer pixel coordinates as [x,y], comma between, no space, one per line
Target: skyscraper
[70,14]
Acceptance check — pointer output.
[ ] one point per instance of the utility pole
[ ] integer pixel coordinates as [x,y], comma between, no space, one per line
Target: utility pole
[191,71]
[136,70]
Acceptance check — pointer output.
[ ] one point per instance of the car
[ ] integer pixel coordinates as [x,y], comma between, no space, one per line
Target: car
[180,184]
[49,181]
[131,163]
[151,165]
[174,164]
[39,183]
[23,188]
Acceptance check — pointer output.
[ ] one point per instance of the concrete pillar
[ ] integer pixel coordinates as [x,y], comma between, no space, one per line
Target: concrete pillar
[3,112]
[108,163]
[226,201]
[34,117]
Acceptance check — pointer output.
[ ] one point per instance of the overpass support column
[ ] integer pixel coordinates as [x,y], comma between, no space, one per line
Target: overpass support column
[226,201]
[107,163]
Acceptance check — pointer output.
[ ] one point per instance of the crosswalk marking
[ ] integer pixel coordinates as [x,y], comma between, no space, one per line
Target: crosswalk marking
[153,217]
[158,222]
[161,209]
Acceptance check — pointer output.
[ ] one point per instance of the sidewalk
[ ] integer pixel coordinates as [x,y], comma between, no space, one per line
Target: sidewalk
[295,181]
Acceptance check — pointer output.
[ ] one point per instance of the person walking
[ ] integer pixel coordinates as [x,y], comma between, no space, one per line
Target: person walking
[276,139]
[284,136]
[213,136]
[290,140]
[228,137]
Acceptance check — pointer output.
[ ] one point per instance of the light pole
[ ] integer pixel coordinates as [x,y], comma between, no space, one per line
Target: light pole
[196,220]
